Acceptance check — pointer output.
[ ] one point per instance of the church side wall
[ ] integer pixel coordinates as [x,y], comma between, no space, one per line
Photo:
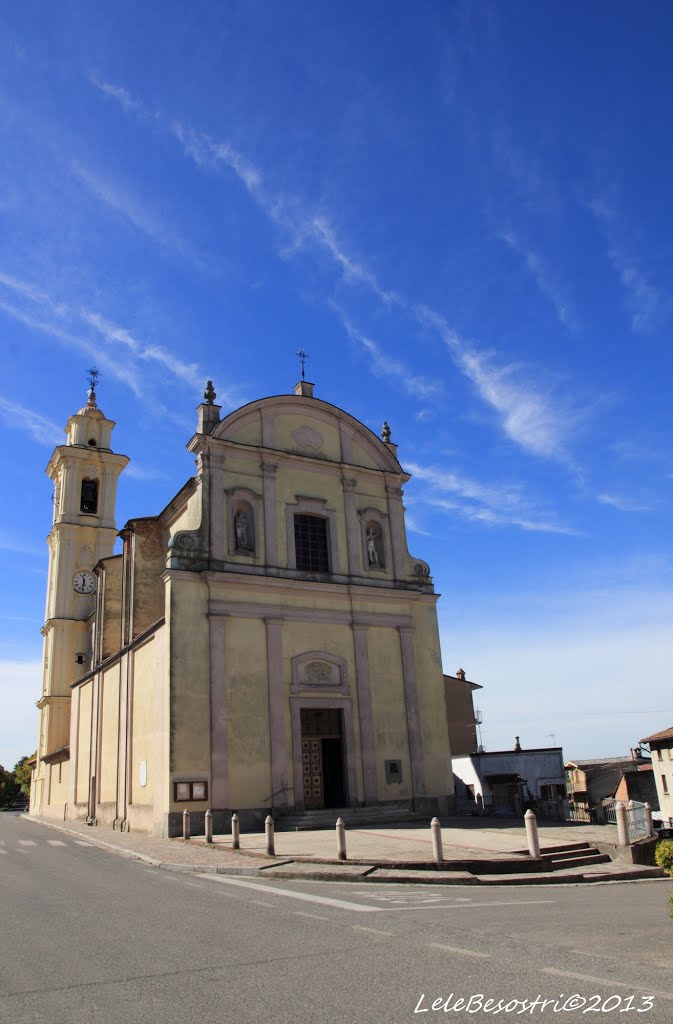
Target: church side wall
[108,744]
[83,750]
[148,775]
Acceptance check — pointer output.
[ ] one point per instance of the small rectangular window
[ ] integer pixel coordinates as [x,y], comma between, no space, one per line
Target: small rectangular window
[660,754]
[310,543]
[664,784]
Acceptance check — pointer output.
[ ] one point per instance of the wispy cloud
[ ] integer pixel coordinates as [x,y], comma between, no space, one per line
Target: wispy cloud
[623,504]
[384,365]
[66,324]
[531,419]
[482,503]
[16,546]
[138,472]
[113,333]
[121,95]
[541,276]
[41,429]
[647,302]
[119,199]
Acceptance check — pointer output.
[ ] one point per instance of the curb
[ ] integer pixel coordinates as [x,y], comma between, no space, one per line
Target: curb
[420,878]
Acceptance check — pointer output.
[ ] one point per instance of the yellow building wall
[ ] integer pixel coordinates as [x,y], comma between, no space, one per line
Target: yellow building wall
[432,702]
[388,707]
[189,680]
[109,735]
[248,746]
[58,784]
[146,720]
[83,742]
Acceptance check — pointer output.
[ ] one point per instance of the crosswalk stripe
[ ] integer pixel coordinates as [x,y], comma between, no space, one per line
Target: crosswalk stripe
[80,842]
[27,842]
[55,842]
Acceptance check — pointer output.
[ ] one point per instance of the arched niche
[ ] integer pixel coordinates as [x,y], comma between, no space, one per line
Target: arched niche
[243,521]
[375,542]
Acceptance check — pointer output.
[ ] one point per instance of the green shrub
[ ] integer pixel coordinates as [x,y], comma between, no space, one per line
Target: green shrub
[663,855]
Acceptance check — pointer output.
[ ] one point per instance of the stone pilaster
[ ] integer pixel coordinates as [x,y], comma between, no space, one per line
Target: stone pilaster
[277,705]
[269,470]
[412,710]
[365,713]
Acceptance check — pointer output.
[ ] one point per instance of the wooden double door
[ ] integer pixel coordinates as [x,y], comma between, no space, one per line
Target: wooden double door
[322,755]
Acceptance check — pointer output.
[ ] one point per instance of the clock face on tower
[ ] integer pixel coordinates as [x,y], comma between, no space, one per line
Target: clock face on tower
[84,582]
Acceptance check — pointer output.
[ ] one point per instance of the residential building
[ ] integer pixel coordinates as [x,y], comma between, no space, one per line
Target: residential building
[661,749]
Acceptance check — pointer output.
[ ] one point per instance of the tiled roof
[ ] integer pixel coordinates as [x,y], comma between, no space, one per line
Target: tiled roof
[665,734]
[592,762]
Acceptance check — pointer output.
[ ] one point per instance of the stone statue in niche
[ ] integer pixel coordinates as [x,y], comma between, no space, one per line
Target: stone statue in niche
[318,672]
[241,530]
[372,553]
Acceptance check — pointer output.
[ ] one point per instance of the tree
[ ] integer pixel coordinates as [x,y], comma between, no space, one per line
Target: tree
[23,774]
[7,787]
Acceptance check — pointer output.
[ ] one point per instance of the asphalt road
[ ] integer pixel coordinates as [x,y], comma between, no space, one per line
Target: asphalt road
[88,936]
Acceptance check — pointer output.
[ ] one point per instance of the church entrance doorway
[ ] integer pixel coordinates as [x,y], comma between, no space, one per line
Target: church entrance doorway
[322,752]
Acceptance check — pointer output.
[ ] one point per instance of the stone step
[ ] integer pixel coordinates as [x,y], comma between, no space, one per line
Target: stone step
[351,816]
[590,857]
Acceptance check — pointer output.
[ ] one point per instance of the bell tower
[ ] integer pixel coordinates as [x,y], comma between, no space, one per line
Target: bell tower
[84,472]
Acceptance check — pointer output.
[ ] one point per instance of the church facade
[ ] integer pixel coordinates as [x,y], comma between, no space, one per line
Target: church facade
[266,643]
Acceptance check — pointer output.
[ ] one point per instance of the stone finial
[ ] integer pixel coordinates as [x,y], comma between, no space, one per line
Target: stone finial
[385,432]
[517,744]
[209,393]
[460,673]
[92,377]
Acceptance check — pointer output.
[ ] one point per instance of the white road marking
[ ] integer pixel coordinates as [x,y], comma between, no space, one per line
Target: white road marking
[290,894]
[373,931]
[55,842]
[605,981]
[27,842]
[457,949]
[464,906]
[258,903]
[80,842]
[4,851]
[316,917]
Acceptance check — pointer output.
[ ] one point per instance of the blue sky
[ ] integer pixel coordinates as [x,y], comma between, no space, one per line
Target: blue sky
[462,211]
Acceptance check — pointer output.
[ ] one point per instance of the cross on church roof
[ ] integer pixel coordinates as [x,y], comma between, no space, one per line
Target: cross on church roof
[303,356]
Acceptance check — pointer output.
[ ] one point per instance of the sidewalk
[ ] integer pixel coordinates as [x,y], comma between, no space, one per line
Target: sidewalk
[494,854]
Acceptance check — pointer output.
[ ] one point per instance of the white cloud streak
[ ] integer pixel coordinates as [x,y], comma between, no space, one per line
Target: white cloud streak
[647,302]
[540,275]
[528,418]
[383,365]
[622,504]
[481,503]
[41,429]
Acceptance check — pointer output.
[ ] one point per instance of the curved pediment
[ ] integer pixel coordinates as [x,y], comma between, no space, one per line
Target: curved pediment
[308,427]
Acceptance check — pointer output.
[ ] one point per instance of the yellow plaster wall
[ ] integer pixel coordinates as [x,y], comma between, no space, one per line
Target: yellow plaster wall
[188,637]
[390,727]
[432,702]
[361,457]
[145,722]
[249,754]
[109,735]
[286,423]
[83,742]
[58,791]
[247,431]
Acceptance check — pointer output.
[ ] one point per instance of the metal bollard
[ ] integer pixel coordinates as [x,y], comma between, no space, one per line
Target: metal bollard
[235,832]
[341,839]
[268,828]
[622,824]
[436,830]
[209,826]
[648,819]
[531,833]
[186,816]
